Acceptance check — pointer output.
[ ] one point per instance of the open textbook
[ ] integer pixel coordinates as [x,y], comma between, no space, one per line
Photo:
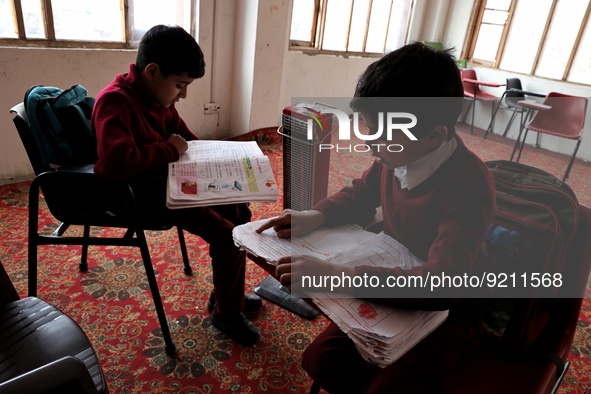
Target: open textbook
[381,333]
[220,172]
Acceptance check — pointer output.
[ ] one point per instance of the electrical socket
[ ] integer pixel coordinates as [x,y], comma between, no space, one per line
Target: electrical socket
[211,108]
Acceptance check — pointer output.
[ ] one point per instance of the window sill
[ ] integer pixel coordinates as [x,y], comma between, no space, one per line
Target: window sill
[344,54]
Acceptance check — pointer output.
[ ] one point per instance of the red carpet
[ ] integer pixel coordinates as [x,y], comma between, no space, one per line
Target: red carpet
[112,304]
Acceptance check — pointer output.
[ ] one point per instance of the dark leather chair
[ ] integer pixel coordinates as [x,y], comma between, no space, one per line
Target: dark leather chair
[76,196]
[42,350]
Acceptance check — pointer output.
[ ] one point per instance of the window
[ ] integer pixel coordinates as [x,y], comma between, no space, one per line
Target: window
[349,26]
[89,23]
[546,38]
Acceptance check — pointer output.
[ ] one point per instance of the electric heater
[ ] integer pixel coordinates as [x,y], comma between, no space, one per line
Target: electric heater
[305,165]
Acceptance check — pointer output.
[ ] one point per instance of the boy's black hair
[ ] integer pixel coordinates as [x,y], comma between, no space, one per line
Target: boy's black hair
[174,51]
[413,71]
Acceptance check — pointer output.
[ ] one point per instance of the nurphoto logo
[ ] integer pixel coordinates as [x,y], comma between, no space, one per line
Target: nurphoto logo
[393,124]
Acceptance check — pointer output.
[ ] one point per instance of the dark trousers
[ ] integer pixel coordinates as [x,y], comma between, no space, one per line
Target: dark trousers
[214,225]
[332,361]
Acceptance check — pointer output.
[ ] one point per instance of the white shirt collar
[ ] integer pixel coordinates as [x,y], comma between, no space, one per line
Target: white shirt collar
[413,174]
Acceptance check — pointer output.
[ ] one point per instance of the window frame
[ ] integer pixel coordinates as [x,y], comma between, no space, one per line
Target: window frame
[476,22]
[51,42]
[314,46]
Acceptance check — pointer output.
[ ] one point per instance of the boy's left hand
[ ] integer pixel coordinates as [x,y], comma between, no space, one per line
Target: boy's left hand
[179,143]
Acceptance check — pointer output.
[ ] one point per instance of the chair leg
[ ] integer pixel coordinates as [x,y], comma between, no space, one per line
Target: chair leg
[315,389]
[572,160]
[187,266]
[169,346]
[522,145]
[491,125]
[561,374]
[83,266]
[473,112]
[33,237]
[509,124]
[538,137]
[60,230]
[517,141]
[463,119]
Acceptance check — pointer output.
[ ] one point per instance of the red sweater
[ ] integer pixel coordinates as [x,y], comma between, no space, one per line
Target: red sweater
[132,129]
[443,221]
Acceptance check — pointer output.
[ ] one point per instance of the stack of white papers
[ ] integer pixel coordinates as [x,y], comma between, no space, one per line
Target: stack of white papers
[381,333]
[220,172]
[323,243]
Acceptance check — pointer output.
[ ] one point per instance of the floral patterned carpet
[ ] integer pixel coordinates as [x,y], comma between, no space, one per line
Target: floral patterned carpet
[112,303]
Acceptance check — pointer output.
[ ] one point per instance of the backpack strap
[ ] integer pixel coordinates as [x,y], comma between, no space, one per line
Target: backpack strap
[70,96]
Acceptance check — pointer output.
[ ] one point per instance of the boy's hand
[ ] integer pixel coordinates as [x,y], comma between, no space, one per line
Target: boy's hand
[294,223]
[290,269]
[179,143]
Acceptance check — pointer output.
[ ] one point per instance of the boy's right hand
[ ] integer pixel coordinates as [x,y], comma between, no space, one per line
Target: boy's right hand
[179,143]
[294,223]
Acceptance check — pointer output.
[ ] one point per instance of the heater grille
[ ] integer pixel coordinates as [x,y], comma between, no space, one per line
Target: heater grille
[305,168]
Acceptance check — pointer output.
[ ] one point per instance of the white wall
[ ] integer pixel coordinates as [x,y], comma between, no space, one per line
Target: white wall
[250,72]
[22,68]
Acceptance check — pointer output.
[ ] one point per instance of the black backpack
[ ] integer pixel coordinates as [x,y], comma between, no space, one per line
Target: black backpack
[60,122]
[535,221]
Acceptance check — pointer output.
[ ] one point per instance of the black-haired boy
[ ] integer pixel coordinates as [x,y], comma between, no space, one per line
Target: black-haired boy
[437,199]
[139,132]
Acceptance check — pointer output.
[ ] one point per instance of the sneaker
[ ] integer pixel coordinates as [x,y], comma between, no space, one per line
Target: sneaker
[236,327]
[252,302]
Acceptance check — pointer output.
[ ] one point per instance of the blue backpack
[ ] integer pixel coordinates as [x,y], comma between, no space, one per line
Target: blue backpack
[60,122]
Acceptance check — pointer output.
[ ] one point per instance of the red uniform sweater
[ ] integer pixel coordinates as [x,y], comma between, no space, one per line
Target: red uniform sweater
[132,129]
[443,221]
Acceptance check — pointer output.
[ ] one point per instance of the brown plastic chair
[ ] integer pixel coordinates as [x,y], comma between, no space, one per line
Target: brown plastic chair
[42,350]
[76,196]
[566,119]
[473,93]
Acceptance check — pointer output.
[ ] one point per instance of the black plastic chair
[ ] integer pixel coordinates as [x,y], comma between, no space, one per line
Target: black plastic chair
[43,350]
[508,102]
[76,196]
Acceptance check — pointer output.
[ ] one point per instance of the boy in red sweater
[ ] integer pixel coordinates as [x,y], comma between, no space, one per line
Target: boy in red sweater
[139,132]
[437,199]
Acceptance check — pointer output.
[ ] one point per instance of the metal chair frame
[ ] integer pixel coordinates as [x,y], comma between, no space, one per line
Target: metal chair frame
[132,220]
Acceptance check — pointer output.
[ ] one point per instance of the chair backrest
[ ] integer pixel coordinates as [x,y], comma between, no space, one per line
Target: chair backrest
[54,127]
[511,97]
[21,121]
[565,119]
[469,88]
